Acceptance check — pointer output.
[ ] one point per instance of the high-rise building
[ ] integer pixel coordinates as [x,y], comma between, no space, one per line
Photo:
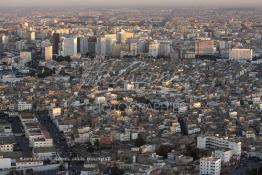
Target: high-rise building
[48,53]
[183,125]
[143,47]
[123,35]
[1,49]
[4,39]
[69,47]
[32,36]
[78,44]
[164,48]
[133,49]
[204,47]
[92,42]
[210,165]
[153,49]
[105,44]
[240,54]
[56,40]
[116,50]
[83,45]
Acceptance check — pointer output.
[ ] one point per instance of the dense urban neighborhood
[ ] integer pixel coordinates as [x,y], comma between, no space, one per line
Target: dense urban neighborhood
[134,91]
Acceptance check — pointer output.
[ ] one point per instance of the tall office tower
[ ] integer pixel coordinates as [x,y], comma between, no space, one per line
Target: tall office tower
[105,44]
[83,45]
[210,165]
[69,47]
[78,44]
[142,47]
[164,48]
[133,49]
[4,41]
[32,36]
[240,54]
[123,35]
[1,50]
[98,45]
[48,53]
[183,126]
[56,40]
[153,49]
[92,42]
[204,47]
[116,50]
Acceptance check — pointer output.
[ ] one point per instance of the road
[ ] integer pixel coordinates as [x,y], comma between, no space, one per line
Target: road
[58,137]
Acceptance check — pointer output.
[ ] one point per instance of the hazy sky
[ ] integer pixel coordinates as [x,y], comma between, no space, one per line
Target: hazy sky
[231,3]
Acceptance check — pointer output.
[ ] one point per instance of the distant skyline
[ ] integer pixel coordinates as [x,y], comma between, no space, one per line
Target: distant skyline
[137,3]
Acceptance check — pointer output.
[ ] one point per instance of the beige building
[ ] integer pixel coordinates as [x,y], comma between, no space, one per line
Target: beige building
[240,54]
[48,53]
[204,46]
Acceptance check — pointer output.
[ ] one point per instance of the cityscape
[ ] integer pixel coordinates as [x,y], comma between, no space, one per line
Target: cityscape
[130,89]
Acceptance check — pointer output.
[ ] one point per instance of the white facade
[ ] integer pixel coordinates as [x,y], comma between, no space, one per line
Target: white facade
[153,49]
[26,164]
[125,136]
[240,54]
[225,156]
[32,36]
[6,147]
[105,44]
[134,136]
[175,128]
[69,46]
[100,100]
[56,112]
[5,163]
[44,154]
[129,86]
[38,143]
[216,142]
[26,55]
[22,106]
[210,165]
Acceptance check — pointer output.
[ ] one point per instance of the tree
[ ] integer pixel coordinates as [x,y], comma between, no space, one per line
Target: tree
[29,172]
[163,150]
[140,141]
[115,171]
[90,149]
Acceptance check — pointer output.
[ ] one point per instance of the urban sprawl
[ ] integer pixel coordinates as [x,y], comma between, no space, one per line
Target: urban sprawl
[88,91]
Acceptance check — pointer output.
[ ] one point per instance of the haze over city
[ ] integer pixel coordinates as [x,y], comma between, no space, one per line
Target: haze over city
[130,87]
[217,3]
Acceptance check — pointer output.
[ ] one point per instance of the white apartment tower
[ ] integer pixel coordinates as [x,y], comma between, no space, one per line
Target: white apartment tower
[210,166]
[69,47]
[153,49]
[105,44]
